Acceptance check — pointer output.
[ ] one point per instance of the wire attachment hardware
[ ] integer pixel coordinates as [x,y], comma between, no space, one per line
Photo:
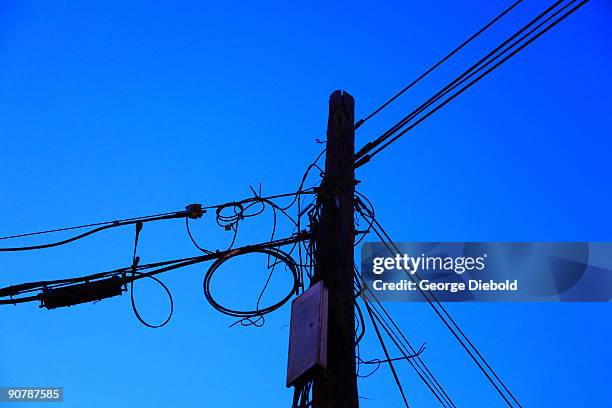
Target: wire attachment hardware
[194,211]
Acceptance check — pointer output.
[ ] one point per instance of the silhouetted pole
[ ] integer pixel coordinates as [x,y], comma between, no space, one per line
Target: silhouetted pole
[337,387]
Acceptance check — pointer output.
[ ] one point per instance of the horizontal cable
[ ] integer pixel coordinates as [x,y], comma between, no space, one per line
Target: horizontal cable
[162,267]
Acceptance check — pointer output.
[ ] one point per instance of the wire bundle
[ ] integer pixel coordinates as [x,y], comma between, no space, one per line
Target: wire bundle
[539,25]
[501,388]
[249,315]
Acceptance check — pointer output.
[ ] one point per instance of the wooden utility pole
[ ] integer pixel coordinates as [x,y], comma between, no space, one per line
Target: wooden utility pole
[337,386]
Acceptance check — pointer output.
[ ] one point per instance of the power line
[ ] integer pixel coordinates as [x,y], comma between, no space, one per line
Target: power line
[147,218]
[437,64]
[144,271]
[453,84]
[388,357]
[375,147]
[106,226]
[406,348]
[83,226]
[450,323]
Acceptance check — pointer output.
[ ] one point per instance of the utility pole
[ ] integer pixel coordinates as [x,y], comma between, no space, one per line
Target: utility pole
[337,386]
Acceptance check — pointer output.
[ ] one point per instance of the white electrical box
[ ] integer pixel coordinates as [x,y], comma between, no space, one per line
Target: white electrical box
[308,333]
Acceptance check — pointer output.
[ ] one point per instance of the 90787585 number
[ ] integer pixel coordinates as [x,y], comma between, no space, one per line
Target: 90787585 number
[40,394]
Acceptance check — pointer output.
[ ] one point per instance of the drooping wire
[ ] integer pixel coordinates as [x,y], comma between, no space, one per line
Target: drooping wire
[135,309]
[135,261]
[192,239]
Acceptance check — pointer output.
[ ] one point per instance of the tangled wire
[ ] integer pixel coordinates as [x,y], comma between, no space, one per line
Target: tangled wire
[229,216]
[255,316]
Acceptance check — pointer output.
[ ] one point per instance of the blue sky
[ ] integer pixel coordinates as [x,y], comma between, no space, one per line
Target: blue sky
[110,110]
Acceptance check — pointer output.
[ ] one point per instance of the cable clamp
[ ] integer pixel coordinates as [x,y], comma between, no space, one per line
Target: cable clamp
[195,211]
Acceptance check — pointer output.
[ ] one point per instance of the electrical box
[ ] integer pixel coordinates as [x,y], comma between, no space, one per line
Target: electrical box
[308,333]
[81,293]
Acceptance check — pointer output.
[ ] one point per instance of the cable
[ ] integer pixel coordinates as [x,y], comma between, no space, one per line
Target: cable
[388,358]
[146,270]
[435,304]
[433,386]
[437,64]
[193,241]
[114,224]
[453,84]
[363,157]
[407,349]
[135,261]
[366,153]
[82,226]
[249,314]
[378,361]
[135,309]
[129,221]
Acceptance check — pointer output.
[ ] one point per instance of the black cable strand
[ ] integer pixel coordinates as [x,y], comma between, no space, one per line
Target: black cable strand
[179,214]
[135,309]
[193,241]
[388,358]
[135,261]
[435,303]
[95,224]
[379,361]
[361,325]
[418,364]
[24,299]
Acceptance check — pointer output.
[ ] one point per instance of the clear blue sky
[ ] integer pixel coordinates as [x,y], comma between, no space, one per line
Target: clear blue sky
[110,110]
